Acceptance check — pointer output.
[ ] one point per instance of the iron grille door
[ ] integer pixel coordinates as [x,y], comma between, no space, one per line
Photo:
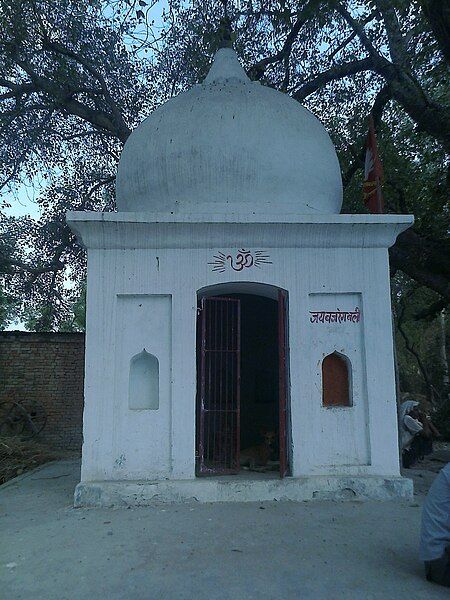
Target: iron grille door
[219,418]
[283,374]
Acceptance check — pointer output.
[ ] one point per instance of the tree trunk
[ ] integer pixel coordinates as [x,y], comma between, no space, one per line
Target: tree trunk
[425,260]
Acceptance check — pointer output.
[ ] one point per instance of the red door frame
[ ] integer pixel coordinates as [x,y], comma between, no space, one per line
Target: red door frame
[283,383]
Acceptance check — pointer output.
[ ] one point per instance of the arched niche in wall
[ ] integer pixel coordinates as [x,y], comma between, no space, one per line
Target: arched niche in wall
[143,388]
[336,380]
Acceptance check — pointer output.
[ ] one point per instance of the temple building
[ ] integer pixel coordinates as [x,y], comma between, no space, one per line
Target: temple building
[239,337]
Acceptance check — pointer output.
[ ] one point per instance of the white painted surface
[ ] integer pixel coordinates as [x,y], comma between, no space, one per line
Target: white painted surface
[143,383]
[234,185]
[360,441]
[213,489]
[217,231]
[229,145]
[345,429]
[121,443]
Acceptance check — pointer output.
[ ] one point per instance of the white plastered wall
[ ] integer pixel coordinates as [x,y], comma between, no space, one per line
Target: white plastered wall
[161,444]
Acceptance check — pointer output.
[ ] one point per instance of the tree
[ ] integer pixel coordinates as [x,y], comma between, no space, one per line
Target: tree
[77,77]
[65,74]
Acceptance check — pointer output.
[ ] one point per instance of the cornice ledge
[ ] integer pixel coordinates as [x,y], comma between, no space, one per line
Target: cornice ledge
[144,230]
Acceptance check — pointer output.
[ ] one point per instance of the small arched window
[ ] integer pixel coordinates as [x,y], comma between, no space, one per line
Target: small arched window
[336,380]
[143,391]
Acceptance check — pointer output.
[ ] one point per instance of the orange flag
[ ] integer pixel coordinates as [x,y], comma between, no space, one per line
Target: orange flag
[373,174]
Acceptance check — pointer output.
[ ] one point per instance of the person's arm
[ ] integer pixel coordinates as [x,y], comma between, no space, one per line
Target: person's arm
[412,425]
[433,429]
[426,431]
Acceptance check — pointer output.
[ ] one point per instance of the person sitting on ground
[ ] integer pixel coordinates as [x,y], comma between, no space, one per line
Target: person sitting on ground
[435,535]
[414,435]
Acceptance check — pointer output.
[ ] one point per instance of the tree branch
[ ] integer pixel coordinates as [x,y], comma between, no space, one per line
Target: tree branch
[358,28]
[63,100]
[60,49]
[397,46]
[16,90]
[351,37]
[427,261]
[437,14]
[337,72]
[430,117]
[257,70]
[54,265]
[413,351]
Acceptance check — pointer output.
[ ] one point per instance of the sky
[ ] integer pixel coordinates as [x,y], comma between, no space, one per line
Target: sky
[23,201]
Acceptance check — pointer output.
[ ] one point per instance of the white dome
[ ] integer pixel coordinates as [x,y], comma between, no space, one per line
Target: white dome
[230,146]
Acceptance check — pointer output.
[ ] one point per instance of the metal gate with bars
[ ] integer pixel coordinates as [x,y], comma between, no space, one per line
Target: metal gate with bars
[218,400]
[219,432]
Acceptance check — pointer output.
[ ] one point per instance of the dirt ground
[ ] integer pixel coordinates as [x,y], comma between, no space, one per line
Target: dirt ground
[276,550]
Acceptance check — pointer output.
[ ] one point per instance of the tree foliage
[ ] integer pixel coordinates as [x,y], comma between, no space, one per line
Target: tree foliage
[77,76]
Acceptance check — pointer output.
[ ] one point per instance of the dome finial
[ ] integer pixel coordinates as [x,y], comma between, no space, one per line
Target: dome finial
[226,67]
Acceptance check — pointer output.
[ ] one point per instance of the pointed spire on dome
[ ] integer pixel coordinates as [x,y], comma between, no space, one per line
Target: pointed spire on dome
[225,67]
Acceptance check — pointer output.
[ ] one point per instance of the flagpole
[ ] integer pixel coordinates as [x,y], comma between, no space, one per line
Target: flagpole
[373,173]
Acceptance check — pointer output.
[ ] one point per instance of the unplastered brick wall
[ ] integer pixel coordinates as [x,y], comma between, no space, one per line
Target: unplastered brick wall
[49,368]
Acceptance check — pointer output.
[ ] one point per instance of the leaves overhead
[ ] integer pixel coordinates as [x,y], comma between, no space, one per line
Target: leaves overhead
[77,76]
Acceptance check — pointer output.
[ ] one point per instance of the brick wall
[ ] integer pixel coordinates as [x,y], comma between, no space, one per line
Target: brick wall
[48,367]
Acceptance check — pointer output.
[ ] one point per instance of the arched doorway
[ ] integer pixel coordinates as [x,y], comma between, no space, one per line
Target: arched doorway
[242,379]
